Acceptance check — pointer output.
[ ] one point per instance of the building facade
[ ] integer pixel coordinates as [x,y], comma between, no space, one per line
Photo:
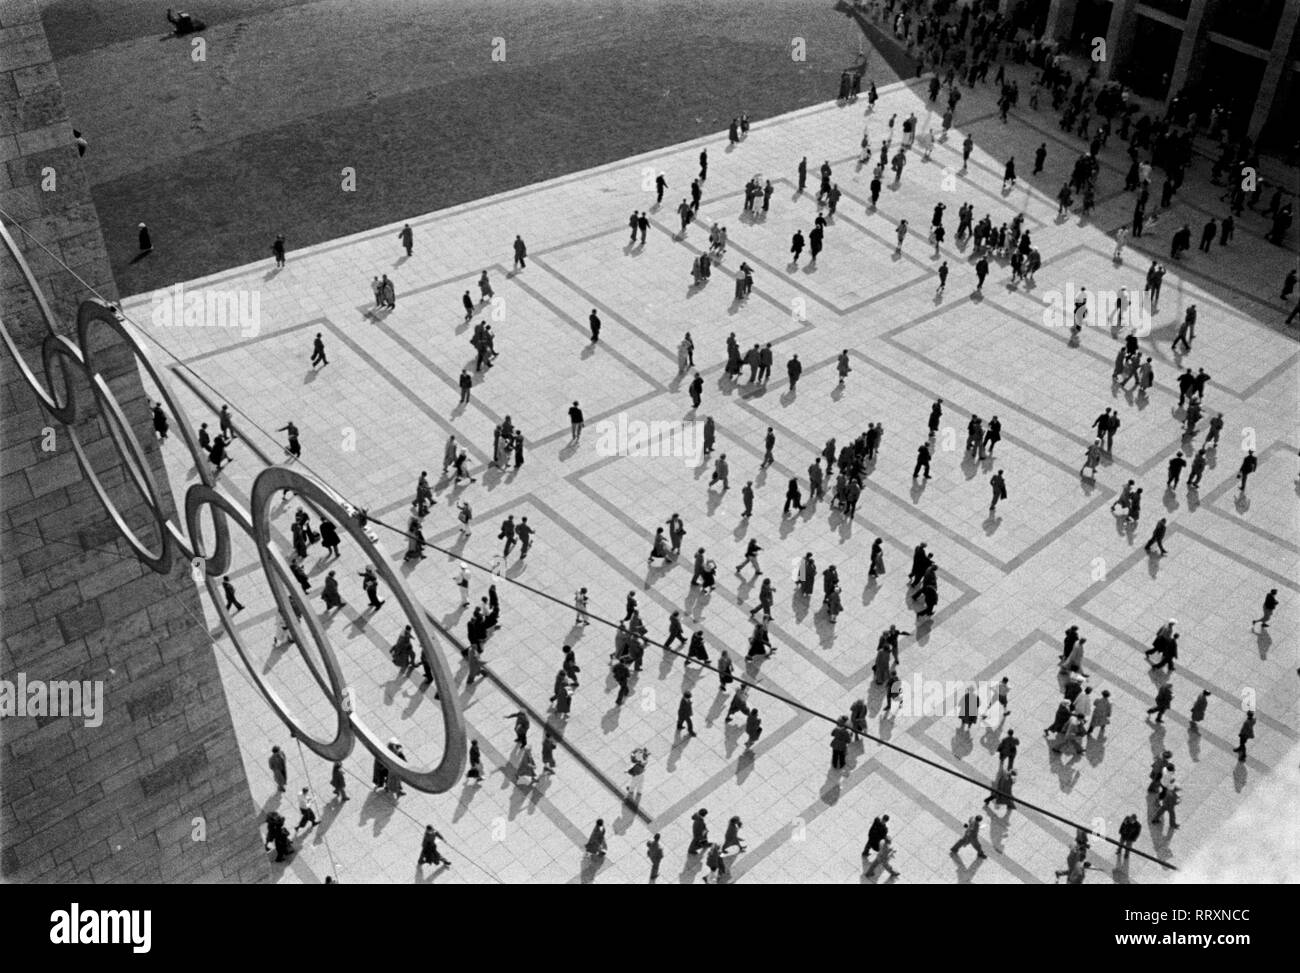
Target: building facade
[1240,55]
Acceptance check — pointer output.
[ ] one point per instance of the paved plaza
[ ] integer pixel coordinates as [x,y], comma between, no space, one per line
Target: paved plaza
[1054,555]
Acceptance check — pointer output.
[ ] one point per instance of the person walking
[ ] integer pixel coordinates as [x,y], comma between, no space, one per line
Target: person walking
[877,834]
[622,675]
[525,534]
[1000,790]
[1186,333]
[1158,537]
[1270,605]
[1169,799]
[769,444]
[999,484]
[596,846]
[922,461]
[1130,829]
[739,702]
[970,836]
[720,472]
[696,390]
[842,367]
[1007,748]
[548,752]
[725,669]
[655,852]
[277,248]
[901,234]
[475,773]
[685,712]
[576,422]
[228,589]
[793,498]
[507,533]
[429,853]
[1091,460]
[521,727]
[732,837]
[685,213]
[1246,733]
[992,436]
[1208,233]
[840,736]
[1248,466]
[793,369]
[521,254]
[1101,711]
[699,832]
[408,239]
[307,808]
[1164,699]
[751,557]
[338,782]
[279,769]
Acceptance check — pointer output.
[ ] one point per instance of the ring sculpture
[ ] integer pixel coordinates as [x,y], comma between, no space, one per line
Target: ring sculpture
[61,354]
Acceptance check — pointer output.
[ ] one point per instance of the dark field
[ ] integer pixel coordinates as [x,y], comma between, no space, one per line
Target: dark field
[220,154]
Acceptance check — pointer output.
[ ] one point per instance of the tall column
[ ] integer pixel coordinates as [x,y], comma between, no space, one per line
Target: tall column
[1119,27]
[1186,50]
[1060,19]
[1277,63]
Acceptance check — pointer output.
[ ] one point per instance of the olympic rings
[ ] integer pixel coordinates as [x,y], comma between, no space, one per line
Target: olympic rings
[58,350]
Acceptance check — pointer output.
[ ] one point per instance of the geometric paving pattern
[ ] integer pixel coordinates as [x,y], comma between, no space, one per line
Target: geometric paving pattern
[381,412]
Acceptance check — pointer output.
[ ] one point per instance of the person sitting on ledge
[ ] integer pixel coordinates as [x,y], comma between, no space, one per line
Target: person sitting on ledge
[183,23]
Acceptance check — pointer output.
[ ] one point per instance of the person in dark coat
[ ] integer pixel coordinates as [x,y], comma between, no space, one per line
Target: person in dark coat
[877,833]
[840,743]
[429,854]
[1130,829]
[595,845]
[333,599]
[1062,717]
[1164,699]
[277,833]
[1000,791]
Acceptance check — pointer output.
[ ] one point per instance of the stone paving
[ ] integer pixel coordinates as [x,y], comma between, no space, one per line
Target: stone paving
[381,411]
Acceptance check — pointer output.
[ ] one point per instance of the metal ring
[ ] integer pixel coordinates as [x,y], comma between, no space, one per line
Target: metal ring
[58,349]
[199,496]
[275,479]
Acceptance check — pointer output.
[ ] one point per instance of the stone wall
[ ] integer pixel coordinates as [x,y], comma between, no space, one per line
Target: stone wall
[124,801]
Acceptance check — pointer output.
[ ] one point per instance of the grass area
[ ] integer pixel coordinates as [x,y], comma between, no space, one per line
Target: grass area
[218,161]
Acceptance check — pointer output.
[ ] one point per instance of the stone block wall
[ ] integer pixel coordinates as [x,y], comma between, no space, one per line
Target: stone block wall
[123,801]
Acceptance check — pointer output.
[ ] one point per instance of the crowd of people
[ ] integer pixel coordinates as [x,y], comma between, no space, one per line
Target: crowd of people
[960,51]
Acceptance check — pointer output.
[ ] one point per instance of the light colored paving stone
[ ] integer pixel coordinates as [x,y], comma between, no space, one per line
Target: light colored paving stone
[381,411]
